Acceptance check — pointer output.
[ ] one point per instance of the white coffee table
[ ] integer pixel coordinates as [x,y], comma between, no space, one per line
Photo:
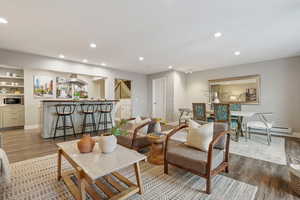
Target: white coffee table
[89,167]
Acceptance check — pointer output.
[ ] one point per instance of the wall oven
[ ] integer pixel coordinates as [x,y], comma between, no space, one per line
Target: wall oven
[13,100]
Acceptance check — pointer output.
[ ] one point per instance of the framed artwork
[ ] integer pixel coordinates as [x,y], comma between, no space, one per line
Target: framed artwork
[63,88]
[43,87]
[243,90]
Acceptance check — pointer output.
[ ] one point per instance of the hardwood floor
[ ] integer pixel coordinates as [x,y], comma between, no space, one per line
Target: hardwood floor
[271,179]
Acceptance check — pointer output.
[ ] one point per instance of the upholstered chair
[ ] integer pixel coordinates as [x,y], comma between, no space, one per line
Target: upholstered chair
[199,112]
[135,139]
[204,164]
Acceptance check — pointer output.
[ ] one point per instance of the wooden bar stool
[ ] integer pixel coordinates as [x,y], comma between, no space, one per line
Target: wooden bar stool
[63,111]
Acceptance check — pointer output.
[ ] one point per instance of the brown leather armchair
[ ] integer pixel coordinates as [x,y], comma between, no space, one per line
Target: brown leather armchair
[135,140]
[204,164]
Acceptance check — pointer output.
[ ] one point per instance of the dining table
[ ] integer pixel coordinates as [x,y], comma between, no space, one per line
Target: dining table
[242,117]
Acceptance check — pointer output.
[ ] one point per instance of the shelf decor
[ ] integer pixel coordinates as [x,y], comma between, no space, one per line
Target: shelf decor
[43,86]
[63,88]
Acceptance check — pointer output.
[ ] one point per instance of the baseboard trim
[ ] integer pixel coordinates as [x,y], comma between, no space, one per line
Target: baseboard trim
[35,126]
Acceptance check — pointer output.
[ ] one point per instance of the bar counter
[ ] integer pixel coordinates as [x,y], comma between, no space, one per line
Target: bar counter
[49,115]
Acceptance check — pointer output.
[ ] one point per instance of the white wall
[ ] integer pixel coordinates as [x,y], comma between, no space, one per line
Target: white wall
[176,92]
[280,87]
[35,62]
[169,75]
[180,88]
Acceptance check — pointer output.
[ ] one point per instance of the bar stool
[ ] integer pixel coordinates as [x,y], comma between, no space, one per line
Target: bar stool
[63,111]
[105,110]
[89,109]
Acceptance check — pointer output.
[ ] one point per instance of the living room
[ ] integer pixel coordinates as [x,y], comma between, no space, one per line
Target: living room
[149,100]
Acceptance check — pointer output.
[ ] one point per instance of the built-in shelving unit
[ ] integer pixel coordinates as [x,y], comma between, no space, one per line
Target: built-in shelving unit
[12,86]
[10,77]
[11,82]
[11,94]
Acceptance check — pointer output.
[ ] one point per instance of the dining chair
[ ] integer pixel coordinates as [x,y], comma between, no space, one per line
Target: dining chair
[262,124]
[235,107]
[222,112]
[234,119]
[199,112]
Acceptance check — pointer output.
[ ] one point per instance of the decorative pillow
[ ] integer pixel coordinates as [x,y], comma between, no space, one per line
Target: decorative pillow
[199,136]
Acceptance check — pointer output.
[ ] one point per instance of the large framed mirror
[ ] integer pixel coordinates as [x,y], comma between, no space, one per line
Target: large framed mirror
[243,90]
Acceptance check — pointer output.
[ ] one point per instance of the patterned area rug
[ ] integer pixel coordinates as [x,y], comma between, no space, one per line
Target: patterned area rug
[36,179]
[258,148]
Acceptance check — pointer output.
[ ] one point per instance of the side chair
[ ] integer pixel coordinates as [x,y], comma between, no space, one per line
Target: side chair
[135,139]
[204,164]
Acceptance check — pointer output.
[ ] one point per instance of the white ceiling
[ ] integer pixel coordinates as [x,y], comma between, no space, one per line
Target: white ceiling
[164,32]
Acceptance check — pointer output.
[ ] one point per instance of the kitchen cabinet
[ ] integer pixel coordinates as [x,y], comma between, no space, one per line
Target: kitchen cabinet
[12,116]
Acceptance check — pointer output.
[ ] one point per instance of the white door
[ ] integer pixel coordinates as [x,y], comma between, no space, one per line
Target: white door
[159,98]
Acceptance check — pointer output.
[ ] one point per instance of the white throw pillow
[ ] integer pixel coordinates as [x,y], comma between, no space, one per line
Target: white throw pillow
[199,136]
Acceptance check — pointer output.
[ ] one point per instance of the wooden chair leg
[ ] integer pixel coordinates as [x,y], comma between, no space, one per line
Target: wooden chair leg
[208,185]
[227,169]
[166,171]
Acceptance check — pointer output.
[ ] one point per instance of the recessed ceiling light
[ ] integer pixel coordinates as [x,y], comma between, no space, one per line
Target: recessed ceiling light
[85,60]
[93,45]
[61,56]
[3,21]
[237,53]
[141,58]
[103,64]
[170,67]
[218,34]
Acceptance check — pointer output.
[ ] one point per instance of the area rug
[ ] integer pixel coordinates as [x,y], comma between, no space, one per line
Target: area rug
[258,148]
[36,179]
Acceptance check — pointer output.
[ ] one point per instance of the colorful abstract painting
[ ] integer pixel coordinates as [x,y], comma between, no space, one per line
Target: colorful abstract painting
[43,86]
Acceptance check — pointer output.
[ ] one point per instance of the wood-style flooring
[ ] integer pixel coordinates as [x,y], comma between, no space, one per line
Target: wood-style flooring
[271,179]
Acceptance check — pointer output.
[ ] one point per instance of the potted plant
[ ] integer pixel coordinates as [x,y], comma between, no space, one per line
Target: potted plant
[108,141]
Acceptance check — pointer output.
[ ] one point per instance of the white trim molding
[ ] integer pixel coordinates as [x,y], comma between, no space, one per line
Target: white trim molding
[34,126]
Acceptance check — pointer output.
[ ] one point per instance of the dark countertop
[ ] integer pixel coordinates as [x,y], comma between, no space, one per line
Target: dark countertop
[81,100]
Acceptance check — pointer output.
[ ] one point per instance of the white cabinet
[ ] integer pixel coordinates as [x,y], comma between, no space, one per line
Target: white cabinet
[12,116]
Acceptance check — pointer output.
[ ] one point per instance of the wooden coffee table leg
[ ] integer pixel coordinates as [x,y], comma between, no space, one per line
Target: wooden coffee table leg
[81,184]
[138,177]
[59,165]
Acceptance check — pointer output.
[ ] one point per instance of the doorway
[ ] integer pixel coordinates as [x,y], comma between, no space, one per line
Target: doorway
[123,93]
[159,87]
